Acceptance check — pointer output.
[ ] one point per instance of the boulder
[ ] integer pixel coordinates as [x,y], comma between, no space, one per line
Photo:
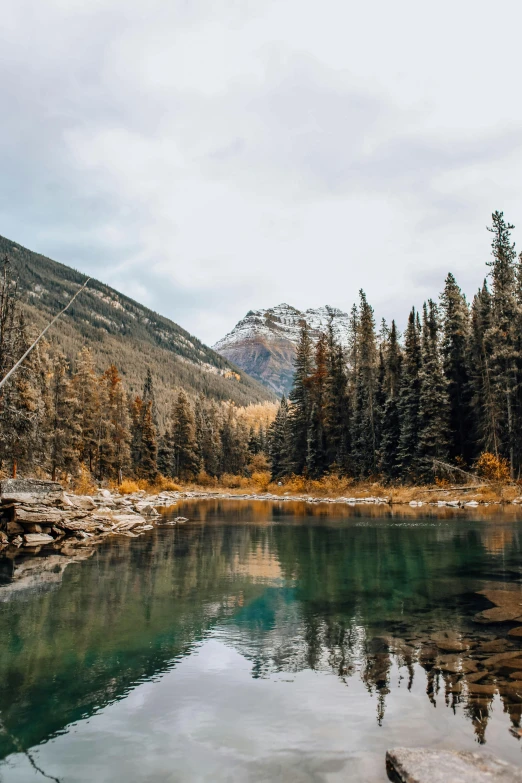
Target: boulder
[31,491]
[419,765]
[84,502]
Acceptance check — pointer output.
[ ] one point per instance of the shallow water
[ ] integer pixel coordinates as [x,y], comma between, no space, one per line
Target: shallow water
[256,642]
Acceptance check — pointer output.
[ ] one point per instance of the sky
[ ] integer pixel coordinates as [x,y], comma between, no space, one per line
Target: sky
[208,157]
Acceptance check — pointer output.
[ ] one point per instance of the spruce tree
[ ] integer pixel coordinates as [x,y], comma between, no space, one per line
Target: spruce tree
[65,429]
[280,452]
[433,417]
[409,397]
[301,409]
[85,383]
[364,422]
[389,462]
[501,340]
[336,404]
[184,444]
[317,448]
[455,354]
[150,396]
[486,413]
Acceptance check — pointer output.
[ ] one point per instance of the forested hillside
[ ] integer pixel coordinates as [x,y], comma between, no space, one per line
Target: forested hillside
[119,330]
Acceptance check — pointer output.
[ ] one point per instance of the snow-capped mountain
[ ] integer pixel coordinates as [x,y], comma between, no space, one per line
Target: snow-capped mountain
[263,343]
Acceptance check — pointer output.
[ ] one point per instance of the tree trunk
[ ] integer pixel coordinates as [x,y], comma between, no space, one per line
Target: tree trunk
[15,467]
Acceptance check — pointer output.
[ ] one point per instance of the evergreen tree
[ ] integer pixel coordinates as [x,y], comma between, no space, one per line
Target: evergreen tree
[22,405]
[184,444]
[149,396]
[364,423]
[391,423]
[86,390]
[317,449]
[432,442]
[208,435]
[280,450]
[409,397]
[301,409]
[65,430]
[486,433]
[501,341]
[336,404]
[117,417]
[455,354]
[144,446]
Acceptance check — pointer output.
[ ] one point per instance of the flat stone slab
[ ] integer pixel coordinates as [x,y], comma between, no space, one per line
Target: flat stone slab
[419,765]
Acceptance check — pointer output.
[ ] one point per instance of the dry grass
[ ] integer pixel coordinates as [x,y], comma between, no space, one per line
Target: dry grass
[130,486]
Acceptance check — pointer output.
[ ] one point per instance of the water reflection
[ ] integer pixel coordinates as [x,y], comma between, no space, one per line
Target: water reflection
[359,594]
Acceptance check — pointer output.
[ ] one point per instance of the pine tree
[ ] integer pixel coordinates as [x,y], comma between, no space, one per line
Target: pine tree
[117,418]
[455,354]
[22,406]
[336,404]
[150,396]
[184,444]
[364,423]
[65,430]
[148,467]
[389,462]
[433,417]
[85,383]
[208,435]
[144,446]
[409,397]
[301,409]
[500,338]
[317,449]
[486,415]
[280,450]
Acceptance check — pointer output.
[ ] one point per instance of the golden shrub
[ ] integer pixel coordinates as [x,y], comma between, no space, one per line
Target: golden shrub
[261,479]
[492,468]
[83,483]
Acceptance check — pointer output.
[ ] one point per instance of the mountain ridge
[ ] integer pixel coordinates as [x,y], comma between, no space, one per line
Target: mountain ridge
[263,343]
[122,331]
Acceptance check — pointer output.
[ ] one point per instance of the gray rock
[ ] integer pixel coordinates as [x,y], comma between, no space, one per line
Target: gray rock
[419,765]
[37,539]
[31,491]
[85,502]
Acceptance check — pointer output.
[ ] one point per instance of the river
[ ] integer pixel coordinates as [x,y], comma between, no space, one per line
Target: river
[260,642]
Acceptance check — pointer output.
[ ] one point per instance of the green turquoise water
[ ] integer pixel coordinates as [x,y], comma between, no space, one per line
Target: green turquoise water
[256,642]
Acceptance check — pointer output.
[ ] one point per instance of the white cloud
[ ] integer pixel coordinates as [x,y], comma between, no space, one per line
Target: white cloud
[212,157]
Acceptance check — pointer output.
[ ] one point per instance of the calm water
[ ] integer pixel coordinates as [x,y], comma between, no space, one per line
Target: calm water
[257,642]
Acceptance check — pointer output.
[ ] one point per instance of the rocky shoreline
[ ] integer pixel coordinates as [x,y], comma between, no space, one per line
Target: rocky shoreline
[37,514]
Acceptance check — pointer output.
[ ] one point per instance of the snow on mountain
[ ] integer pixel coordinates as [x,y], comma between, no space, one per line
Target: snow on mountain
[263,343]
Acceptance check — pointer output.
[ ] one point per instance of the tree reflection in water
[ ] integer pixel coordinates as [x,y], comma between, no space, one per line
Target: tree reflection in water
[358,593]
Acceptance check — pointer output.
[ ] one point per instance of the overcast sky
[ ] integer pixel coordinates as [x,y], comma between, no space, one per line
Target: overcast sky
[208,157]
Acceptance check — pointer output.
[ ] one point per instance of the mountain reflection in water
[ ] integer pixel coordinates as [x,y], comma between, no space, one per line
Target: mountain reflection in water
[378,600]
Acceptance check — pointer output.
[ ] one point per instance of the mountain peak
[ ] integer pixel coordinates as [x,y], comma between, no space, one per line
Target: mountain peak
[263,343]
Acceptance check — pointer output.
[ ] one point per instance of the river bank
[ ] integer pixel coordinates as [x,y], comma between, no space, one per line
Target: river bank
[41,517]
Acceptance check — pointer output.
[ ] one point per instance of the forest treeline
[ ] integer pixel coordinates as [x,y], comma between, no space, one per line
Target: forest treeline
[56,422]
[449,391]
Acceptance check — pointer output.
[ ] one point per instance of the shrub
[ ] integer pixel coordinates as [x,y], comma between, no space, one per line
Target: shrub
[83,484]
[492,468]
[261,479]
[128,487]
[204,480]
